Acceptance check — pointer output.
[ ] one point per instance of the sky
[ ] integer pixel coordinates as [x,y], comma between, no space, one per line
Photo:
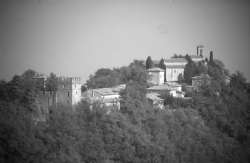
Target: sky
[77,37]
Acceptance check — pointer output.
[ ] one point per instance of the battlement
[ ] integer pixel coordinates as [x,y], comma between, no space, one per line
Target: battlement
[73,80]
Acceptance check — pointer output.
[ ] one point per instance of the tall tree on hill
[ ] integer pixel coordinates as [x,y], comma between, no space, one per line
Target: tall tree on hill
[104,77]
[163,66]
[149,63]
[52,83]
[190,70]
[211,57]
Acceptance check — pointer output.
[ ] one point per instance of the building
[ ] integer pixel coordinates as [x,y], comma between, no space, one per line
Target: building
[174,68]
[197,58]
[201,80]
[173,89]
[155,100]
[69,91]
[156,76]
[109,97]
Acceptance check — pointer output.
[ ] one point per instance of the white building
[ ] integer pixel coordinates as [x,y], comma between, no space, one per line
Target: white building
[173,89]
[109,97]
[196,58]
[156,76]
[174,68]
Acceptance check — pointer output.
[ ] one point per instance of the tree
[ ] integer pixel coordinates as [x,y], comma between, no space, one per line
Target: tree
[163,66]
[84,88]
[190,70]
[211,57]
[149,63]
[104,77]
[180,78]
[238,81]
[52,83]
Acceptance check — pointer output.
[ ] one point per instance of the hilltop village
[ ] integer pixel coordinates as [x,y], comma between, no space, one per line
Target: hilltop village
[164,77]
[185,108]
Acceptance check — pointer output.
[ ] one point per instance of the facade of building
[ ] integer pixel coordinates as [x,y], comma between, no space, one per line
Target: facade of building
[197,58]
[171,88]
[156,76]
[69,90]
[174,68]
[109,97]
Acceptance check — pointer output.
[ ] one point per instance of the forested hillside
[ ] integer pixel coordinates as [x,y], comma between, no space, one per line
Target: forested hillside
[212,128]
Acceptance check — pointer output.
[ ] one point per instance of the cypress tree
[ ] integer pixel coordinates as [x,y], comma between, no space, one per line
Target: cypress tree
[149,63]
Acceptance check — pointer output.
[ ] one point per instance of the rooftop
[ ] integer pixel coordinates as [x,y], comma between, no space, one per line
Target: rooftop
[155,69]
[105,91]
[167,87]
[110,91]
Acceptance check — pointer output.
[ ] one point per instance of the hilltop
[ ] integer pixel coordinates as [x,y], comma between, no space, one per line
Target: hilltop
[212,127]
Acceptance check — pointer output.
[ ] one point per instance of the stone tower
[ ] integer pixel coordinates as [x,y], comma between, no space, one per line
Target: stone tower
[69,90]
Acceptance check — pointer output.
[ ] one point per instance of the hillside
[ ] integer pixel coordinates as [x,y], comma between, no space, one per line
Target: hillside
[213,127]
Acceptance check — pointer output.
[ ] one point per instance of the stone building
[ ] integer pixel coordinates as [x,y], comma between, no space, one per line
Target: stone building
[69,90]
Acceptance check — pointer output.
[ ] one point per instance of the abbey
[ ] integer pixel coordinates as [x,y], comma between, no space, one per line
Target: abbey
[174,68]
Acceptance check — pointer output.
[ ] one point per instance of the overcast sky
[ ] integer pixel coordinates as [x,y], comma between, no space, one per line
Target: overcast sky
[75,38]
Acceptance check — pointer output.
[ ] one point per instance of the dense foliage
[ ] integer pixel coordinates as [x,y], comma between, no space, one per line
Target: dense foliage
[213,127]
[106,77]
[149,63]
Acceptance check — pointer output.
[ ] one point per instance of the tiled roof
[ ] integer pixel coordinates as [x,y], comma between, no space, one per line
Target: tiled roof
[174,60]
[160,88]
[110,91]
[105,91]
[155,69]
[168,86]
